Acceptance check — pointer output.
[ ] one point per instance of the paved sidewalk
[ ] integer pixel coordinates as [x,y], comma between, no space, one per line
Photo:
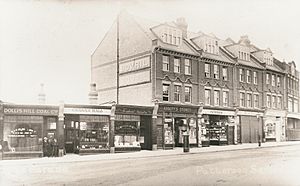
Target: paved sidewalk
[144,153]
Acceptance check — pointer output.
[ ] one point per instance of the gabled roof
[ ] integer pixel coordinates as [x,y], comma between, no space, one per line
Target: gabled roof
[221,57]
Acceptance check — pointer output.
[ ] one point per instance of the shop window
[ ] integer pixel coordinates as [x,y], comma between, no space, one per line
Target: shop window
[217,98]
[187,66]
[270,130]
[166,63]
[127,133]
[188,94]
[216,71]
[177,91]
[166,88]
[51,123]
[207,70]
[177,65]
[225,73]
[22,133]
[93,134]
[207,97]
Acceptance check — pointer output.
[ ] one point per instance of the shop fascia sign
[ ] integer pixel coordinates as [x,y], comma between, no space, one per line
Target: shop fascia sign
[178,109]
[88,111]
[218,112]
[30,111]
[248,113]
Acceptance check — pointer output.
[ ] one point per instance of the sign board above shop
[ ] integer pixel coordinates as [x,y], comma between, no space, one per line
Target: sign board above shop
[177,109]
[218,112]
[25,110]
[87,111]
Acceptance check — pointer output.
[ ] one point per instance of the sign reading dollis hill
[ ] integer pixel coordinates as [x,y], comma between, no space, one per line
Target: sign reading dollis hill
[30,111]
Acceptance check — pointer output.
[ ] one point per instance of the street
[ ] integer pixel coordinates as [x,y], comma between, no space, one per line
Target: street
[261,166]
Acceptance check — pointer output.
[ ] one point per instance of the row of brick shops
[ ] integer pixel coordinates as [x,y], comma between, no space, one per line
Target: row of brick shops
[86,129]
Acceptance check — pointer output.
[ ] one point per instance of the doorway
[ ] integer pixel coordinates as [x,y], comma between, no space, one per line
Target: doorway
[180,126]
[145,133]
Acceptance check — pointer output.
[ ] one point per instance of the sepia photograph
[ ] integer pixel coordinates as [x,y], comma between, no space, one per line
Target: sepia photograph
[161,92]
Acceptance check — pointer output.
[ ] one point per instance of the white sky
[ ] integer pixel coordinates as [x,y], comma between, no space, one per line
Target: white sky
[51,42]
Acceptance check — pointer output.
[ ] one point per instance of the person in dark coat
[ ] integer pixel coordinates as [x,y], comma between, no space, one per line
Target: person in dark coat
[54,148]
[45,146]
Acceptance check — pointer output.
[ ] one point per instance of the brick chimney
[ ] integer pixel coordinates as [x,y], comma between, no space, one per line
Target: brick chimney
[182,24]
[93,95]
[42,95]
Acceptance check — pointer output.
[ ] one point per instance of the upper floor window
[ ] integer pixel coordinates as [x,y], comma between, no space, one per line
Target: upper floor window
[225,73]
[216,71]
[278,81]
[244,55]
[267,79]
[241,75]
[187,66]
[268,101]
[248,76]
[290,104]
[177,65]
[216,97]
[207,70]
[256,102]
[273,80]
[166,90]
[274,101]
[242,99]
[279,102]
[177,91]
[255,78]
[225,98]
[207,97]
[249,100]
[166,63]
[188,94]
[296,105]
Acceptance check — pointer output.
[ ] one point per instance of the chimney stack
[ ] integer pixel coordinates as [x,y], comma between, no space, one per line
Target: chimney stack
[42,95]
[182,24]
[93,95]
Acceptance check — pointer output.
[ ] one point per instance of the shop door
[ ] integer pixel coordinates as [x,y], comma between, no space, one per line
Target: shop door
[230,135]
[145,133]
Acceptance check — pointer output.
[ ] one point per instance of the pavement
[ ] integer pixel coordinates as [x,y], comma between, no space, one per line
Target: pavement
[145,153]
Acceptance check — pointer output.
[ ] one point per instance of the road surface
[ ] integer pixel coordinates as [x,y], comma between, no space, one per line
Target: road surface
[263,166]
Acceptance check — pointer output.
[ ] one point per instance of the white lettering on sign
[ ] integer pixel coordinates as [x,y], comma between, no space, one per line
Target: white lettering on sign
[90,111]
[135,64]
[218,112]
[135,78]
[30,111]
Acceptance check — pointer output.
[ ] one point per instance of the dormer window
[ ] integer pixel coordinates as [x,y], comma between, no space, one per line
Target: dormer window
[211,46]
[171,36]
[243,55]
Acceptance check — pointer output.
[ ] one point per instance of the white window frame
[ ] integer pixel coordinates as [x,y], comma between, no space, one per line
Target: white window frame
[177,94]
[207,99]
[176,66]
[241,75]
[216,71]
[225,98]
[207,70]
[166,64]
[242,99]
[255,77]
[248,76]
[249,100]
[273,80]
[190,93]
[188,66]
[216,98]
[163,94]
[225,73]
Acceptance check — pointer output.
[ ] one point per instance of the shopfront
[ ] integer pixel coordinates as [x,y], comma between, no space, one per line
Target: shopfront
[293,127]
[274,125]
[251,126]
[173,122]
[24,127]
[86,129]
[218,127]
[133,128]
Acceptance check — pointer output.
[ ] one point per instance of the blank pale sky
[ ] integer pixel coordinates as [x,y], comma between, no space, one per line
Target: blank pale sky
[51,42]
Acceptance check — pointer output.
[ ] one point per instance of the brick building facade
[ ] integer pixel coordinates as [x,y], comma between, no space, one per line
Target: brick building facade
[217,90]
